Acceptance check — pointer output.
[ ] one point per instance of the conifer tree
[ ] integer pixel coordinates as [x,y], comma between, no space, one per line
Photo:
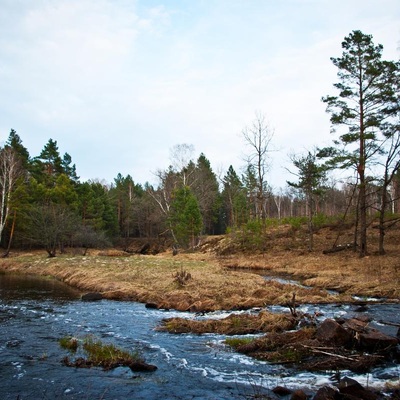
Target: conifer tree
[234,196]
[185,217]
[366,99]
[311,180]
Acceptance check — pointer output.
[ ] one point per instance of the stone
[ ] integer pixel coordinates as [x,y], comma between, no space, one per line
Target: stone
[140,366]
[151,305]
[355,325]
[368,338]
[333,333]
[281,391]
[298,395]
[326,393]
[375,340]
[351,388]
[95,296]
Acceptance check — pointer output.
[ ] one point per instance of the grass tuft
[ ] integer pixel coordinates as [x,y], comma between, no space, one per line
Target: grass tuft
[103,354]
[69,343]
[99,354]
[237,342]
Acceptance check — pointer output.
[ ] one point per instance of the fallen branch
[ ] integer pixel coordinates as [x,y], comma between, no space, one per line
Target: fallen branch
[319,347]
[332,355]
[338,248]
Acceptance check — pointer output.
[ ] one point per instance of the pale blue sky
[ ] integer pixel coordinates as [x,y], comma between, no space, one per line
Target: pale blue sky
[117,83]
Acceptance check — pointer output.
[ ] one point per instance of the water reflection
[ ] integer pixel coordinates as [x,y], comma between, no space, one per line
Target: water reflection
[18,287]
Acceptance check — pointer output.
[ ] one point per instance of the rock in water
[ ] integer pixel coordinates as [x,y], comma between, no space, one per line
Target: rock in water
[92,296]
[333,333]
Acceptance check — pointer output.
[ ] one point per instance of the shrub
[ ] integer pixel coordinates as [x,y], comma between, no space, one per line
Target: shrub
[182,277]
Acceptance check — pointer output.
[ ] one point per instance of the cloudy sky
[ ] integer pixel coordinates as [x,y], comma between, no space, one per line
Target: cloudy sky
[118,83]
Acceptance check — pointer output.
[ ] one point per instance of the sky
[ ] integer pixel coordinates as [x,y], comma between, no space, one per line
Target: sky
[119,83]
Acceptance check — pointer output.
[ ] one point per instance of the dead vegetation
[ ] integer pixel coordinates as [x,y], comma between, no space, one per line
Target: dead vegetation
[330,346]
[344,271]
[234,324]
[182,277]
[208,281]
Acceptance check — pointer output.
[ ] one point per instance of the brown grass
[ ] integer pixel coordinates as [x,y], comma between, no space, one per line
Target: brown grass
[214,284]
[232,325]
[374,275]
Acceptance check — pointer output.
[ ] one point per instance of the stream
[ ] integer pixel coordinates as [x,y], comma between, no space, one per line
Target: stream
[35,313]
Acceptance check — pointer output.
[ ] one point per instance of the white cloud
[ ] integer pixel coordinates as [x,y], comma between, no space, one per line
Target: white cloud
[119,82]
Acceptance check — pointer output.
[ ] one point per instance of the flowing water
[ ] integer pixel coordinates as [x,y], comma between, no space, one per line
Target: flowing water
[35,313]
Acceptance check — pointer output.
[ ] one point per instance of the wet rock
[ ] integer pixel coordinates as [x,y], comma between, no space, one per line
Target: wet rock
[369,338]
[151,305]
[375,340]
[78,363]
[326,393]
[138,366]
[13,343]
[281,391]
[354,390]
[363,318]
[362,308]
[95,296]
[355,325]
[298,395]
[333,333]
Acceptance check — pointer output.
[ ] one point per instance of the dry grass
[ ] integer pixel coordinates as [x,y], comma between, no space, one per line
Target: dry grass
[345,271]
[232,325]
[214,284]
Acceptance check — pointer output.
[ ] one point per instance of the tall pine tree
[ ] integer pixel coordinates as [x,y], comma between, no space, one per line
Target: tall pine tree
[364,102]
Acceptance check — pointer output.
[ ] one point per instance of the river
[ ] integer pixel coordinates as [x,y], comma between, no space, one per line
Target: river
[35,313]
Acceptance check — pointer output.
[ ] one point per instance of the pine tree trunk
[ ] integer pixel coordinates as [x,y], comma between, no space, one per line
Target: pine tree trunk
[363,219]
[382,218]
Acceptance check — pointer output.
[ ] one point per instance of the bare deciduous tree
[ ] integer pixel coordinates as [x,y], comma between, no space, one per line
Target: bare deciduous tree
[181,156]
[258,137]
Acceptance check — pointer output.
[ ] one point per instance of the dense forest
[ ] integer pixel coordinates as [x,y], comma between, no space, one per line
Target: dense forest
[44,204]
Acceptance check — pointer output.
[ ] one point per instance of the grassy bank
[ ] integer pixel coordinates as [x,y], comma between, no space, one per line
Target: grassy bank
[206,280]
[153,279]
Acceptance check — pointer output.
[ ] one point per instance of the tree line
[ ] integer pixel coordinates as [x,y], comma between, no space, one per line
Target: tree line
[43,202]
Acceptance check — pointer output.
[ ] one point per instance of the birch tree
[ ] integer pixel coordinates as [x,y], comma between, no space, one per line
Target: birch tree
[9,172]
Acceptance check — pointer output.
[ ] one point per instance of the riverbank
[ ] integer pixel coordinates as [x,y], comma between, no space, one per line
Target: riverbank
[155,280]
[216,277]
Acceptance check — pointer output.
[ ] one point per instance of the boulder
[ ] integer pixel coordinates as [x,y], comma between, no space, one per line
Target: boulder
[326,393]
[333,333]
[140,366]
[375,340]
[352,389]
[368,338]
[95,296]
[281,391]
[298,395]
[356,325]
